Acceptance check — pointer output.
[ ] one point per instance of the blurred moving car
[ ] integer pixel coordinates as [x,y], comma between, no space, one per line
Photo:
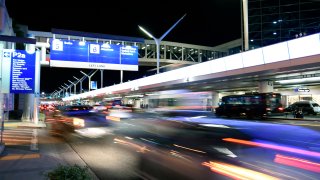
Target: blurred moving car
[307,107]
[99,107]
[77,110]
[47,107]
[82,119]
[116,113]
[73,117]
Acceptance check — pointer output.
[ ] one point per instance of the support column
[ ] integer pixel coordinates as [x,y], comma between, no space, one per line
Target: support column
[36,101]
[145,102]
[215,99]
[245,24]
[265,86]
[1,99]
[28,108]
[137,103]
[284,100]
[43,54]
[125,100]
[101,71]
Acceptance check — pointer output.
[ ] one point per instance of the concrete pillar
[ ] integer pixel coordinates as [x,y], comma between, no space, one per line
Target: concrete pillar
[137,103]
[1,93]
[145,102]
[43,54]
[36,102]
[28,109]
[265,86]
[215,99]
[3,85]
[245,24]
[125,100]
[284,100]
[1,107]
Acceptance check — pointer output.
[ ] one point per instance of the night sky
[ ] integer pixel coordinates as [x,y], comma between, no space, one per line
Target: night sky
[208,22]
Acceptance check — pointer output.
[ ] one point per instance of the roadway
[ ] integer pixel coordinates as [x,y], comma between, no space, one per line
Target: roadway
[196,146]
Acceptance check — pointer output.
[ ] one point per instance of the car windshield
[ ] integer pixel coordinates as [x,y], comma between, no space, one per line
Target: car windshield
[315,105]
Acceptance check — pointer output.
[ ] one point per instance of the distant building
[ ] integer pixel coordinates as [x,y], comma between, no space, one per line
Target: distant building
[274,21]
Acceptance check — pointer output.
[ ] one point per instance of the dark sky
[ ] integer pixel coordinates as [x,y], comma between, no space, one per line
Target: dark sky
[208,22]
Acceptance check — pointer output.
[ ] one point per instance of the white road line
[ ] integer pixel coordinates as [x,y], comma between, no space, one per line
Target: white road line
[34,140]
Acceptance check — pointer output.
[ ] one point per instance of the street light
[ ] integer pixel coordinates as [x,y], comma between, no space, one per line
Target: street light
[55,91]
[64,90]
[74,86]
[61,90]
[89,77]
[79,80]
[68,86]
[158,40]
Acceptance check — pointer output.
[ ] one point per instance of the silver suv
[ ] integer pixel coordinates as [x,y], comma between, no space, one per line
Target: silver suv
[307,107]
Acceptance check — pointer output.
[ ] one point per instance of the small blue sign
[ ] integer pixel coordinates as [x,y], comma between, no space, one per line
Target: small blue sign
[93,85]
[22,71]
[79,54]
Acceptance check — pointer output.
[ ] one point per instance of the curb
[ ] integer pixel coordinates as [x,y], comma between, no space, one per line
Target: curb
[293,119]
[31,125]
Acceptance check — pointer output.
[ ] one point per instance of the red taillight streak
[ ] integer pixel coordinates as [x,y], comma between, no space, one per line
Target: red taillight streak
[271,146]
[299,163]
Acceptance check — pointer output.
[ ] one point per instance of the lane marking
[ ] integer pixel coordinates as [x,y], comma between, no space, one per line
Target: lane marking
[19,156]
[34,140]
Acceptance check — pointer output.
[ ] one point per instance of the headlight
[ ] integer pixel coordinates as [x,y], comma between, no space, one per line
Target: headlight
[78,122]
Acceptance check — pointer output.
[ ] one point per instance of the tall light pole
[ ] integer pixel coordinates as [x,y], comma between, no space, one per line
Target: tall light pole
[68,86]
[158,40]
[65,90]
[54,92]
[79,80]
[101,72]
[55,95]
[61,89]
[89,77]
[245,24]
[74,86]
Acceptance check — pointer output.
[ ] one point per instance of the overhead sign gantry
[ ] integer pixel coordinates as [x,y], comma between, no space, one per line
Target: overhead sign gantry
[93,55]
[81,54]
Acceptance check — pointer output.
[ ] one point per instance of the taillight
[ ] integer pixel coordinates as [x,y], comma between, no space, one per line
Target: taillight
[268,109]
[280,108]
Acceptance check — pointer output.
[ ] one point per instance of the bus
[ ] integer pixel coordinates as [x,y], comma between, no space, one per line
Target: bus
[179,100]
[250,105]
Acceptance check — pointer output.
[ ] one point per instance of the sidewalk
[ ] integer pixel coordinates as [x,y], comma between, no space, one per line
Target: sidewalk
[41,155]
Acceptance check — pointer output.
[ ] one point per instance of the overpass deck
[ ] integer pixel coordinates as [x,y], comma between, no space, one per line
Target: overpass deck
[276,62]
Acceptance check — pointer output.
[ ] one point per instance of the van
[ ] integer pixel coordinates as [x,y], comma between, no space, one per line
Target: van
[250,105]
[307,107]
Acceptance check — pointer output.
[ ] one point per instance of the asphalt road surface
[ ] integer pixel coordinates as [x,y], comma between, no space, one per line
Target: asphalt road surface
[195,146]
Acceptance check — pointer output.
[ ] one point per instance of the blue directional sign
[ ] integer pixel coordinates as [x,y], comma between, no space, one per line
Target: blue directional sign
[22,71]
[79,54]
[94,85]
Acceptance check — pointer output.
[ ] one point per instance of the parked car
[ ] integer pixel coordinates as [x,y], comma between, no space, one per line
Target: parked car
[307,107]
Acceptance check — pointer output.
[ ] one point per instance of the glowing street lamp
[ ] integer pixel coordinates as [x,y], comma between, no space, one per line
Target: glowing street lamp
[158,40]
